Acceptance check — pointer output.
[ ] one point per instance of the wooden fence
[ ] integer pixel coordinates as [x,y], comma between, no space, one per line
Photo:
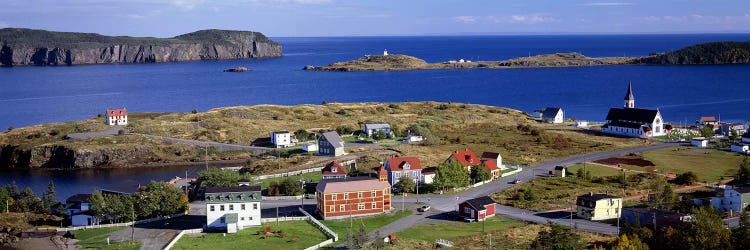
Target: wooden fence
[124,224]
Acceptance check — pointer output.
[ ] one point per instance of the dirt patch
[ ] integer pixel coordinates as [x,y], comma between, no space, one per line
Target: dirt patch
[635,160]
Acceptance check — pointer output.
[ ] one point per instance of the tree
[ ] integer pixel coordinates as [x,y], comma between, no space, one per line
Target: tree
[629,243]
[405,184]
[5,199]
[707,230]
[344,130]
[159,199]
[215,177]
[479,174]
[195,111]
[687,178]
[97,204]
[360,238]
[741,234]
[743,174]
[451,174]
[379,135]
[557,238]
[29,202]
[734,135]
[707,131]
[49,199]
[662,193]
[395,130]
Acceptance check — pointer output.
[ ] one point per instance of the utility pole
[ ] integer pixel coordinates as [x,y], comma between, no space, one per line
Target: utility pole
[132,226]
[490,247]
[571,215]
[206,146]
[303,191]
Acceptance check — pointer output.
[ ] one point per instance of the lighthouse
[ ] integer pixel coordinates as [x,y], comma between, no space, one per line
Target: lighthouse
[385,52]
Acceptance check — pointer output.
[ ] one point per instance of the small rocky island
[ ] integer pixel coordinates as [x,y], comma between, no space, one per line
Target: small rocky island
[706,53]
[405,62]
[237,69]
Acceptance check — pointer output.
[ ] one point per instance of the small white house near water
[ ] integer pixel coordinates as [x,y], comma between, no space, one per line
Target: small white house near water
[281,139]
[117,117]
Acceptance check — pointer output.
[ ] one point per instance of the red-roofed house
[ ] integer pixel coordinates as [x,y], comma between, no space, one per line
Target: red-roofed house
[117,117]
[334,170]
[708,120]
[403,166]
[356,196]
[492,168]
[493,156]
[467,158]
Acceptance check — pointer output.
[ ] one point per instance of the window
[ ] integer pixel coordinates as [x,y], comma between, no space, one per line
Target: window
[211,208]
[242,206]
[231,207]
[250,218]
[331,209]
[346,196]
[255,206]
[242,218]
[342,208]
[333,197]
[374,206]
[221,208]
[361,206]
[359,194]
[467,210]
[373,193]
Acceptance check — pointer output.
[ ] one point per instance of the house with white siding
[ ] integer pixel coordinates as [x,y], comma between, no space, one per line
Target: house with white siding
[118,117]
[553,115]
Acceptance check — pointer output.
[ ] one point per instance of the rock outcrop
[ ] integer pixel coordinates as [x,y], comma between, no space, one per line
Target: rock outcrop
[59,156]
[40,48]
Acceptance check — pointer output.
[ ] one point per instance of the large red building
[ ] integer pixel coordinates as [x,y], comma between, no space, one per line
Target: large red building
[341,198]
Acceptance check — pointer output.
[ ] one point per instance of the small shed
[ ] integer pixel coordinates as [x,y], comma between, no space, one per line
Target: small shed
[700,142]
[581,124]
[310,147]
[558,171]
[553,115]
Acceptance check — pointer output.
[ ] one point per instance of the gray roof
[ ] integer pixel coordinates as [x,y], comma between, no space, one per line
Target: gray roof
[629,95]
[377,126]
[742,189]
[550,112]
[479,203]
[334,138]
[646,116]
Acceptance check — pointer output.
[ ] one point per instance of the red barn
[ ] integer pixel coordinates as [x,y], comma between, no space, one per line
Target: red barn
[477,209]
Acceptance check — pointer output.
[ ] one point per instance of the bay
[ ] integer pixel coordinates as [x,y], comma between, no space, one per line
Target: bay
[34,95]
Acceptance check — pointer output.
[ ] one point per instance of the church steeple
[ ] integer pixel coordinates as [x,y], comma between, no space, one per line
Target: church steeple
[629,99]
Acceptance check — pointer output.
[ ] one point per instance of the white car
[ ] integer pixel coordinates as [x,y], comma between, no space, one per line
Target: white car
[424,208]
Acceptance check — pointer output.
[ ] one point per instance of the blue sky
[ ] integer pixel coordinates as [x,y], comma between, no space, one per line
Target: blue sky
[166,18]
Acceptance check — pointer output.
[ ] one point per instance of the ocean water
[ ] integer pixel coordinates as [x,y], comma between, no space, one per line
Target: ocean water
[33,95]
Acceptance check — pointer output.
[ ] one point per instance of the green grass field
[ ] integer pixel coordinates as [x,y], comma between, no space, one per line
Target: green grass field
[314,176]
[97,239]
[708,164]
[455,229]
[596,170]
[372,223]
[297,235]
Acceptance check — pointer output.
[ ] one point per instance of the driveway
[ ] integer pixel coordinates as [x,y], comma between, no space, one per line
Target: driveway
[156,235]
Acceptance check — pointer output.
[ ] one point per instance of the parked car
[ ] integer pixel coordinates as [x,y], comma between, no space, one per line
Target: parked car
[516,181]
[424,208]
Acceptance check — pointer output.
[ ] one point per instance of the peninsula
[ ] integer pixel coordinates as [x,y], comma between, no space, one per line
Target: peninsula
[707,53]
[49,48]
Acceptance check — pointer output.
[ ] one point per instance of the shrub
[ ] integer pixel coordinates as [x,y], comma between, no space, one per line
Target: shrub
[341,112]
[687,178]
[344,130]
[324,102]
[195,111]
[10,129]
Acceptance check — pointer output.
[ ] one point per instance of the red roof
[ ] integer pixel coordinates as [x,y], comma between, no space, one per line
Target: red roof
[382,171]
[328,169]
[397,163]
[117,112]
[490,165]
[708,119]
[466,158]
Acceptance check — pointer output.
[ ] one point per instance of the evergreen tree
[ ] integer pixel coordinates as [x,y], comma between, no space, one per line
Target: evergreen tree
[557,238]
[743,174]
[707,230]
[741,234]
[49,199]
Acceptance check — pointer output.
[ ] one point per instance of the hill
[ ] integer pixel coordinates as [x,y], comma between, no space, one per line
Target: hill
[706,53]
[41,47]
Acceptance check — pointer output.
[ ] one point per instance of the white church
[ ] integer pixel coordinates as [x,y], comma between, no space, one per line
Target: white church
[634,122]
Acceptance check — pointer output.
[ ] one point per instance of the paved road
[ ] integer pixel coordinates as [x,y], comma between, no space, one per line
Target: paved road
[449,203]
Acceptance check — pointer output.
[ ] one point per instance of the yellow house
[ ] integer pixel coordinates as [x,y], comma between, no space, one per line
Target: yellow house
[598,206]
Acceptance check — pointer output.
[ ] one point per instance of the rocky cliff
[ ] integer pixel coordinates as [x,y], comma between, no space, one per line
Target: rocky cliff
[39,47]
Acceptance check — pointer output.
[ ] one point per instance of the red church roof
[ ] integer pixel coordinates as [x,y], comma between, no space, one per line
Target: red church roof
[329,169]
[466,158]
[397,163]
[117,112]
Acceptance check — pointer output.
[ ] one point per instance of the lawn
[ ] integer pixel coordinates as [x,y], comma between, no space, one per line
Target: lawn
[297,235]
[97,239]
[372,223]
[708,164]
[315,176]
[594,169]
[452,230]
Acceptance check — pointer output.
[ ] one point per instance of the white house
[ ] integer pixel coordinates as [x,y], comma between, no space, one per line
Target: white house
[553,115]
[232,208]
[733,199]
[700,142]
[117,117]
[428,175]
[744,145]
[77,207]
[385,52]
[371,129]
[281,139]
[581,124]
[559,171]
[633,122]
[310,147]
